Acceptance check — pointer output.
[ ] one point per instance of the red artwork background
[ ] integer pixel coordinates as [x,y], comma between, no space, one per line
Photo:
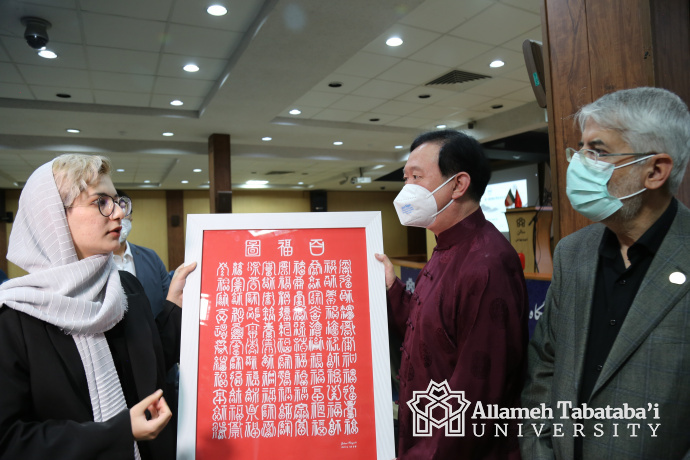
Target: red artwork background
[251,246]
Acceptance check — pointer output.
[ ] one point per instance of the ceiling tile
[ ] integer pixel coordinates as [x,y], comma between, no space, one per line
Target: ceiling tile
[157,10]
[37,75]
[9,74]
[357,103]
[15,91]
[119,60]
[349,83]
[497,87]
[497,24]
[307,112]
[335,115]
[415,73]
[48,93]
[463,100]
[413,40]
[517,74]
[435,94]
[515,44]
[122,82]
[318,99]
[435,113]
[163,102]
[444,15]
[240,14]
[171,65]
[480,64]
[64,20]
[408,122]
[107,31]
[532,5]
[68,55]
[182,86]
[506,103]
[450,51]
[367,64]
[382,89]
[525,94]
[398,108]
[122,98]
[384,119]
[199,41]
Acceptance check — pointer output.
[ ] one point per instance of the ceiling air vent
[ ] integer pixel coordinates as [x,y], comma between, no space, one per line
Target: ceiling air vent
[456,76]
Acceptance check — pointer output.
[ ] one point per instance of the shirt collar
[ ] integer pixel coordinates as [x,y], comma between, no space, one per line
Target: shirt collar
[457,232]
[649,242]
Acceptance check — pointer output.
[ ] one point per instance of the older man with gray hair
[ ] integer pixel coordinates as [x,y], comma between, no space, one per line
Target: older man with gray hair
[609,363]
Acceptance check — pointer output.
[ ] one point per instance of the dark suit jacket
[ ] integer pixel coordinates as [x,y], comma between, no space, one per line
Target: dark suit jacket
[45,408]
[648,364]
[153,276]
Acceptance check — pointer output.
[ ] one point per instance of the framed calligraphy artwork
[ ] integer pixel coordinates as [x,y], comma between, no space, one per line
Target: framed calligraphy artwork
[285,339]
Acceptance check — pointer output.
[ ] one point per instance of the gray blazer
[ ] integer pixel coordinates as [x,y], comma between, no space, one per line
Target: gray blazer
[152,274]
[648,364]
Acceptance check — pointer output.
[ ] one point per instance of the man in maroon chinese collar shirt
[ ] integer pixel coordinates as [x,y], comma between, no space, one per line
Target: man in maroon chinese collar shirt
[466,322]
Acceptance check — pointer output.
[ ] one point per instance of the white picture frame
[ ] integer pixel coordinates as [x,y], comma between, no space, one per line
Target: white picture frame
[197,224]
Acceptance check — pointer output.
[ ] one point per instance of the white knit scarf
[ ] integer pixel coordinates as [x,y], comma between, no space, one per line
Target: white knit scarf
[84,298]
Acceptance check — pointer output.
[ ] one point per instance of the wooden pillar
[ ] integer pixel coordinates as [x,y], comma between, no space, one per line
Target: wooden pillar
[175,215]
[220,173]
[594,47]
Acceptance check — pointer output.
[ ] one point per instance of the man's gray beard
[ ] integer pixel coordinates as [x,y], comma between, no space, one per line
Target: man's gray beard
[631,206]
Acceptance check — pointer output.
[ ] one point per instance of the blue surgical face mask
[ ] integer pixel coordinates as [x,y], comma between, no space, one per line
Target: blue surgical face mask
[587,187]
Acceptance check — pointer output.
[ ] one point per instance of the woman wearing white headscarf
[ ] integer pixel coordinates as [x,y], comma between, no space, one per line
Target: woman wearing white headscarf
[82,361]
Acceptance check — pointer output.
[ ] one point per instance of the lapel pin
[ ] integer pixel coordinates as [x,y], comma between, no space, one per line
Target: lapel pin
[676,278]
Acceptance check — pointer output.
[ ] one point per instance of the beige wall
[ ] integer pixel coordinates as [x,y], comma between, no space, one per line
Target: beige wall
[149,223]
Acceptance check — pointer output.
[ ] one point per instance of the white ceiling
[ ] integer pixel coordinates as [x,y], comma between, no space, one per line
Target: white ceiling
[121,63]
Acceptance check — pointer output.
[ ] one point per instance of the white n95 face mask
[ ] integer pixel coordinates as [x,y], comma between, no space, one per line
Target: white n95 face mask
[416,206]
[126,228]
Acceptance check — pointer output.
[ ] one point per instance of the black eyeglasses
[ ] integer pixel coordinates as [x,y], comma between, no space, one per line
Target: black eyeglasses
[106,205]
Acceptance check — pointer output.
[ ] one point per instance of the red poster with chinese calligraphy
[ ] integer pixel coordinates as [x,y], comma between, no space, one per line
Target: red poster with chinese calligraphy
[284,358]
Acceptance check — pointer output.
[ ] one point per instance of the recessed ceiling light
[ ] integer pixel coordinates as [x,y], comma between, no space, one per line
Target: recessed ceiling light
[64,95]
[300,183]
[358,186]
[47,54]
[295,112]
[497,106]
[377,167]
[497,63]
[374,119]
[424,96]
[147,181]
[338,143]
[399,147]
[120,170]
[335,84]
[217,10]
[191,68]
[185,181]
[196,170]
[255,183]
[441,126]
[176,102]
[266,139]
[168,134]
[73,131]
[394,41]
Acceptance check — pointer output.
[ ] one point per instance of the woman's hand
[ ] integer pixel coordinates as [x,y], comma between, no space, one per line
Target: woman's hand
[178,281]
[388,267]
[144,429]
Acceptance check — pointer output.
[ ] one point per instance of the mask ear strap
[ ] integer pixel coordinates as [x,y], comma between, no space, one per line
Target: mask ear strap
[443,208]
[440,186]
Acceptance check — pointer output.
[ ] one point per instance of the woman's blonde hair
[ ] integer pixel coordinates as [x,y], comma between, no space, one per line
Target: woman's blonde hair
[74,173]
